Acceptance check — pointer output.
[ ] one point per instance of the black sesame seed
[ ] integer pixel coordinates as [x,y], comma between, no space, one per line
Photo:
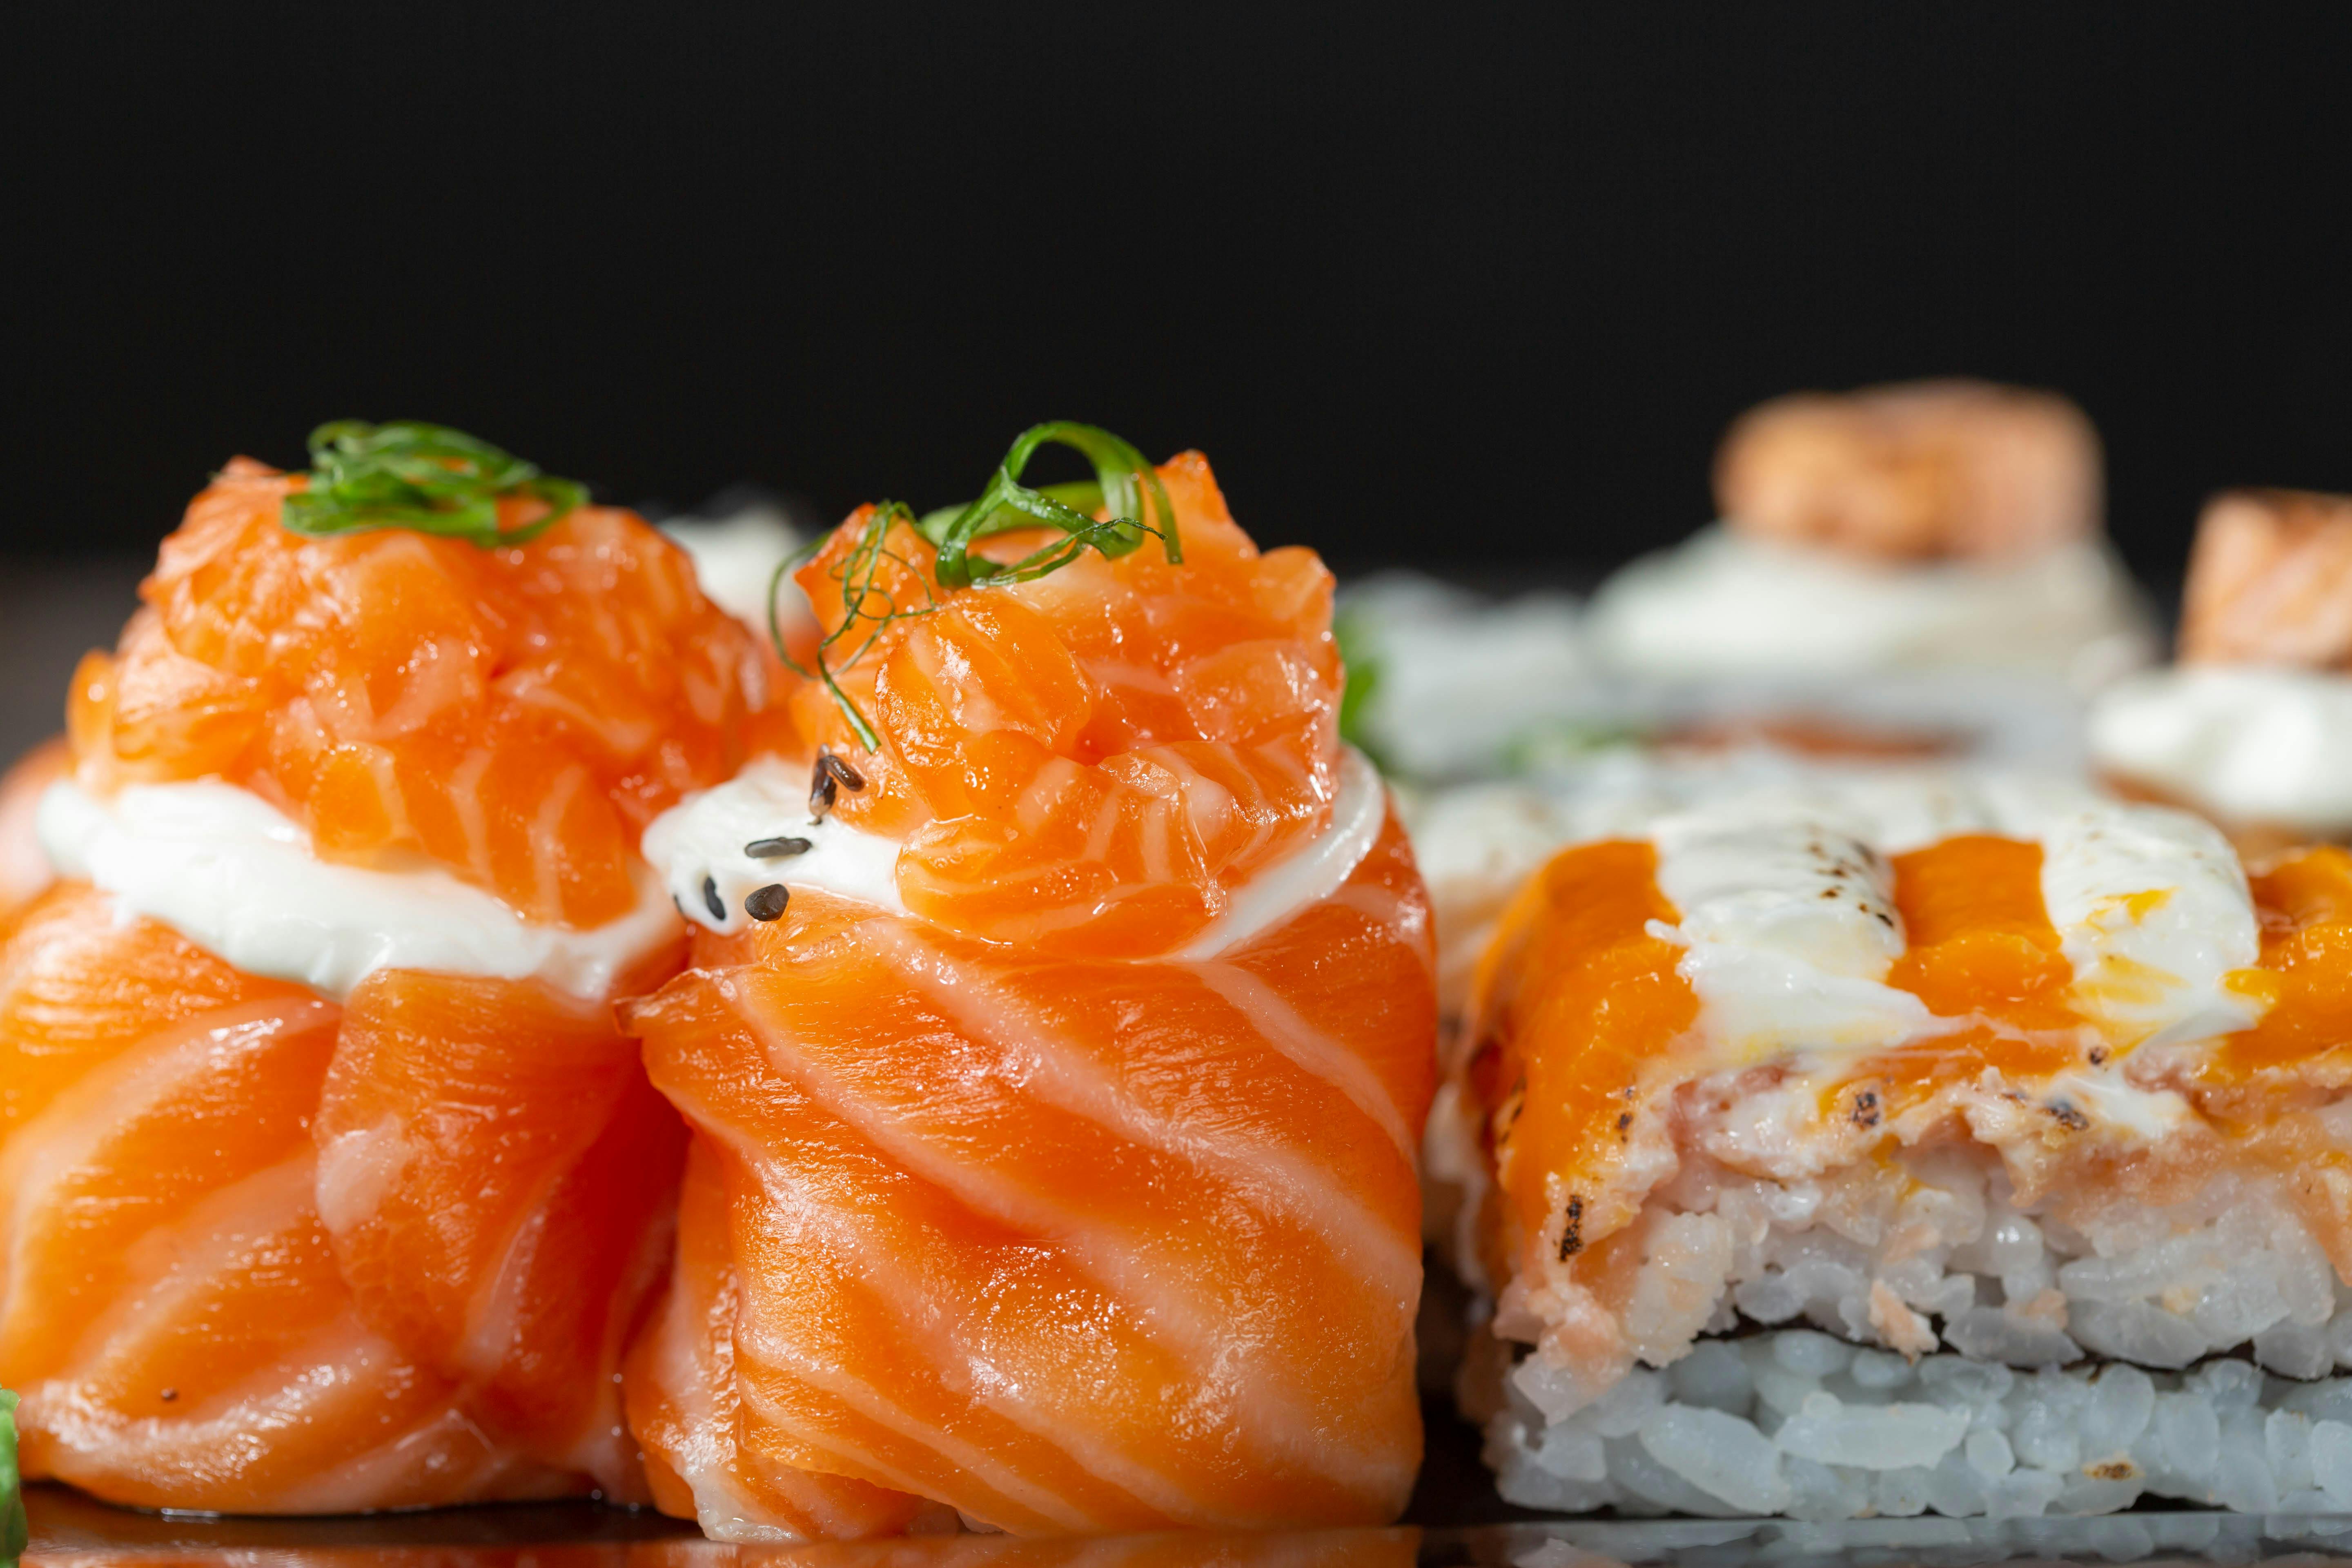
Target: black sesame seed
[775,848]
[851,779]
[711,901]
[766,903]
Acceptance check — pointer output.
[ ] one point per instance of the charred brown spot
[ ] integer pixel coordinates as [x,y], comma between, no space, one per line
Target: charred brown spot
[1625,1120]
[1866,1108]
[2072,1119]
[2098,1056]
[1571,1229]
[2111,1470]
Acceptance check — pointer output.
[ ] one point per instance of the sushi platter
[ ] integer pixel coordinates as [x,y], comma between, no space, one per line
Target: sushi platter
[1046,1029]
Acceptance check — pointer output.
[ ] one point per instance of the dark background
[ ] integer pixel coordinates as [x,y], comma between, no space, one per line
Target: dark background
[1467,285]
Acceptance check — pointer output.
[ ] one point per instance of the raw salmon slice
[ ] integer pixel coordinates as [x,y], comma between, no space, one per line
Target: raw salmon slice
[1073,1245]
[178,1313]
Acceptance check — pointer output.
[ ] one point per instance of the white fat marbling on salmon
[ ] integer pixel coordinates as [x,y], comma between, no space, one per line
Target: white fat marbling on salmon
[2155,914]
[1309,1048]
[238,878]
[1789,927]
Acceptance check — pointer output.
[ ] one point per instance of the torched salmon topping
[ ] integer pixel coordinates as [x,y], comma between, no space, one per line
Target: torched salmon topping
[518,715]
[1093,761]
[1584,1016]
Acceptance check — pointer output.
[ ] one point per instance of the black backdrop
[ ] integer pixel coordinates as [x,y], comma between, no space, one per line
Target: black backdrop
[1464,284]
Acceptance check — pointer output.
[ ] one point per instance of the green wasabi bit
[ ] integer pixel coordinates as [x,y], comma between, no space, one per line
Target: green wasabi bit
[11,1496]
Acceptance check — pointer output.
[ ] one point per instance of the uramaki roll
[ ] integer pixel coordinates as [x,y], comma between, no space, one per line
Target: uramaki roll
[1979,1147]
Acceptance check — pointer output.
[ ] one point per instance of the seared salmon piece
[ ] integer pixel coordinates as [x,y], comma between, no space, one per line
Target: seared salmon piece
[1914,471]
[2270,581]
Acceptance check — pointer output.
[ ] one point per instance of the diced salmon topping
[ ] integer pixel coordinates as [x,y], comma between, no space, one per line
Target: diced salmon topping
[517,714]
[1094,761]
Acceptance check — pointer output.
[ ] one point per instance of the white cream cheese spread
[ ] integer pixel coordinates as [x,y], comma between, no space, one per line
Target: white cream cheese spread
[234,874]
[1724,603]
[2250,743]
[702,846]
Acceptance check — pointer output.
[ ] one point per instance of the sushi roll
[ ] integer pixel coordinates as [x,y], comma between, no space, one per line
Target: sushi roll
[2254,726]
[1974,1145]
[328,1181]
[1057,1039]
[1930,526]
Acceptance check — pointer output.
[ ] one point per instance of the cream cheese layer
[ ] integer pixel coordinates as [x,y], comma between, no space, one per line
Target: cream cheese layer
[702,847]
[2250,743]
[239,878]
[1722,603]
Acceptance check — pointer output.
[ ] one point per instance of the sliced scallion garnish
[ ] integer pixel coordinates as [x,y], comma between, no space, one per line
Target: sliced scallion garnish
[426,478]
[1122,482]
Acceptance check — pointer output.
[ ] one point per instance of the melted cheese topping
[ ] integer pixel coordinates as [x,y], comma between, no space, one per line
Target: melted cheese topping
[234,874]
[1790,928]
[2254,746]
[699,848]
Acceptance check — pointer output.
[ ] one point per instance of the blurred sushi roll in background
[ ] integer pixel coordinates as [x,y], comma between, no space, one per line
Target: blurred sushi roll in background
[2253,725]
[1967,1144]
[1904,576]
[1942,525]
[328,1182]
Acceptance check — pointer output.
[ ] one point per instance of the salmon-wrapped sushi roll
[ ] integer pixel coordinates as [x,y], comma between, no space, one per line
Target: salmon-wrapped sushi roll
[1979,1147]
[1057,1042]
[2253,727]
[326,1179]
